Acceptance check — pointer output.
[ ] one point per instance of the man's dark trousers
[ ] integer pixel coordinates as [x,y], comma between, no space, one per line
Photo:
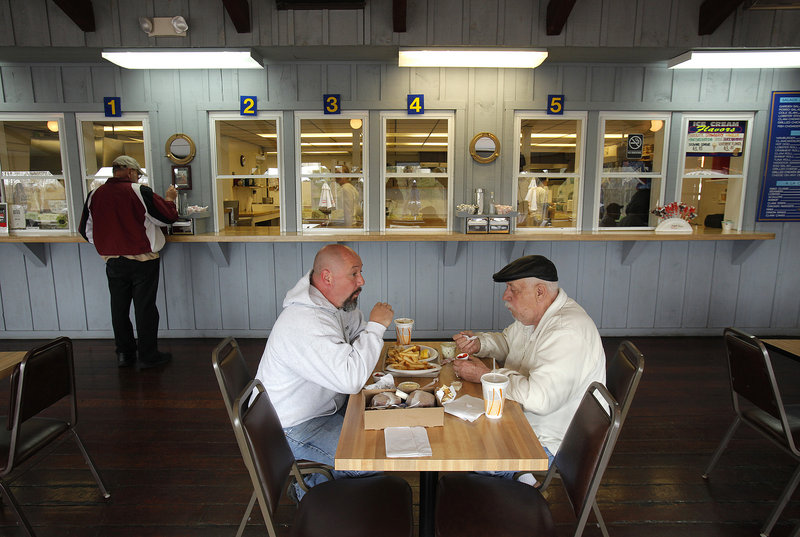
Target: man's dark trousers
[138,281]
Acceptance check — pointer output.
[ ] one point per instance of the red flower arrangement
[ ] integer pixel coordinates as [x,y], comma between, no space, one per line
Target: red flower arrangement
[676,210]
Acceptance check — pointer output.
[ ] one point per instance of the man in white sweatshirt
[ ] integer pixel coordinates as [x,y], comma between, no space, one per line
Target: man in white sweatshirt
[321,349]
[551,353]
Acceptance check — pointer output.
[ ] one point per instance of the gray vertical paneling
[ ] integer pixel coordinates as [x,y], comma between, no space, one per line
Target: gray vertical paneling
[176,262]
[28,15]
[394,84]
[14,289]
[427,81]
[546,80]
[565,256]
[602,84]
[234,285]
[616,284]
[428,274]
[130,35]
[135,88]
[758,277]
[345,27]
[63,32]
[744,85]
[683,24]
[373,258]
[575,83]
[655,23]
[657,85]
[518,20]
[46,85]
[715,86]
[6,28]
[68,288]
[483,22]
[417,17]
[786,307]
[338,79]
[103,83]
[456,87]
[455,290]
[671,284]
[17,84]
[481,294]
[686,85]
[629,85]
[368,87]
[591,275]
[205,289]
[106,33]
[642,303]
[309,78]
[161,301]
[785,28]
[262,304]
[583,26]
[288,269]
[401,278]
[618,18]
[207,24]
[42,295]
[699,275]
[77,84]
[724,287]
[95,289]
[307,28]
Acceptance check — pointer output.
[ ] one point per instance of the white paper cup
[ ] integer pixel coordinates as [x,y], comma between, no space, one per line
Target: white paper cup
[448,349]
[494,394]
[727,225]
[403,328]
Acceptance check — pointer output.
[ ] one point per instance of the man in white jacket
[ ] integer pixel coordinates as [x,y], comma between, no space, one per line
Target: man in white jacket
[551,353]
[321,349]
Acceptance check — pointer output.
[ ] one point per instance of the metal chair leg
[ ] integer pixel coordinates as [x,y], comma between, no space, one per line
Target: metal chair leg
[91,465]
[782,501]
[722,445]
[23,521]
[246,517]
[599,517]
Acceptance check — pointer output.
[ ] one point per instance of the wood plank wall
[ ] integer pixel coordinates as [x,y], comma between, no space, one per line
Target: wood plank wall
[672,288]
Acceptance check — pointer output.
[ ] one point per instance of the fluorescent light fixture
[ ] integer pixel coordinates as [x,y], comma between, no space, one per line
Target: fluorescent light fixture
[471,58]
[736,59]
[184,59]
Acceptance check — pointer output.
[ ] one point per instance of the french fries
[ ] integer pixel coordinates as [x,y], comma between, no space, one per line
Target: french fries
[408,358]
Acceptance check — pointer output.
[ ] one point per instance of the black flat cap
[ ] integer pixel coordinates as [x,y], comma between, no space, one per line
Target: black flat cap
[530,266]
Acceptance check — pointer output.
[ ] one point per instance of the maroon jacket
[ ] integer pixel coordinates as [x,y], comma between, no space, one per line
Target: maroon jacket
[124,218]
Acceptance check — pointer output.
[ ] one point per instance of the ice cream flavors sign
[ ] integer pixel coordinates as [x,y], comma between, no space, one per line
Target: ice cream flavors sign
[715,138]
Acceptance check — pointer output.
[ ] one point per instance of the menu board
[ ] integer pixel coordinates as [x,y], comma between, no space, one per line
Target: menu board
[715,138]
[779,197]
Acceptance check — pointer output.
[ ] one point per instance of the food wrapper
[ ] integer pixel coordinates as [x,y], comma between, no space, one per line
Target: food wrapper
[446,393]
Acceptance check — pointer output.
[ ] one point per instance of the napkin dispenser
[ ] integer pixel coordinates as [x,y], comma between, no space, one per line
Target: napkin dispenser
[477,224]
[401,417]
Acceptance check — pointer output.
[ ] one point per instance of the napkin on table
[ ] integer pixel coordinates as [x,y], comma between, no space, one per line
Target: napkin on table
[407,442]
[466,407]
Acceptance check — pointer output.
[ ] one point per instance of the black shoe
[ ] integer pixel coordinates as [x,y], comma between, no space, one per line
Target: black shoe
[126,359]
[160,358]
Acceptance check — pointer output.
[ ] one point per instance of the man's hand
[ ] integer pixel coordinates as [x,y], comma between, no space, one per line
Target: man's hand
[470,370]
[171,193]
[465,343]
[382,313]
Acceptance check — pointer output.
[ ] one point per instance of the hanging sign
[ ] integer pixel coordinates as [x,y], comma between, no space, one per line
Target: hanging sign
[715,138]
[415,104]
[331,103]
[248,105]
[112,106]
[555,105]
[779,197]
[634,147]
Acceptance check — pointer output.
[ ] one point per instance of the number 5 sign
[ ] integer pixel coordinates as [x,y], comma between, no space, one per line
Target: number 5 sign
[555,104]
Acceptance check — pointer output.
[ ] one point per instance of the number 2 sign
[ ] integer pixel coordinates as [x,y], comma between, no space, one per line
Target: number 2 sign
[248,105]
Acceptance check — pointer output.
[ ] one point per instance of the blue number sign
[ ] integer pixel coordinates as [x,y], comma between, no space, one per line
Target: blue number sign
[555,105]
[331,103]
[248,105]
[112,106]
[416,104]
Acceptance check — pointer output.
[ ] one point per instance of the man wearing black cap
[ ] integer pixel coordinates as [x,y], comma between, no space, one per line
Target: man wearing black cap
[123,219]
[551,353]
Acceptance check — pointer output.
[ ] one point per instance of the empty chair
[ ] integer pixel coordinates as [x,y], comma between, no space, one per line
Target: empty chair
[44,378]
[757,403]
[479,505]
[365,506]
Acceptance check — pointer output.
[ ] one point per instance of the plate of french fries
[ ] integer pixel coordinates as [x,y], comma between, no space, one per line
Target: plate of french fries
[411,360]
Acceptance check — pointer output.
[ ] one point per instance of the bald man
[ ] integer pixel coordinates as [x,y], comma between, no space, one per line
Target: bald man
[321,349]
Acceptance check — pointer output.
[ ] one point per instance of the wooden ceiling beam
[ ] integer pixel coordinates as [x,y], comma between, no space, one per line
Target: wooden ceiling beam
[239,12]
[80,11]
[557,14]
[399,16]
[713,13]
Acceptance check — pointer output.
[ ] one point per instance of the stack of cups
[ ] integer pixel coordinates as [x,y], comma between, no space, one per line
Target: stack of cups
[403,327]
[494,394]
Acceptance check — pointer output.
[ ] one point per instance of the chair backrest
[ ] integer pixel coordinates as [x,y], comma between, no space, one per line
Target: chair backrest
[586,449]
[753,379]
[268,458]
[623,375]
[231,370]
[45,376]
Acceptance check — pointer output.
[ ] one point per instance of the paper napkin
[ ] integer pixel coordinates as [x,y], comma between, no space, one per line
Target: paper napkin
[407,442]
[466,407]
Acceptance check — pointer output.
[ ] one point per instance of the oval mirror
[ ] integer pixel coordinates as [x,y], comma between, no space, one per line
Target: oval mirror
[180,149]
[484,147]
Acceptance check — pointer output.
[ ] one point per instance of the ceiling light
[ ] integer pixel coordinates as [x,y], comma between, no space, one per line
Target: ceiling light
[471,58]
[656,125]
[52,126]
[736,59]
[355,124]
[164,26]
[184,59]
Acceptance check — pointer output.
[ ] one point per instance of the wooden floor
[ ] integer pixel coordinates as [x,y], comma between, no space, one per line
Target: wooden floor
[164,445]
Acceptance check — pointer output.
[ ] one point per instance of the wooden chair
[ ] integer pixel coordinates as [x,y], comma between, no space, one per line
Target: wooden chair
[478,505]
[366,506]
[44,378]
[757,402]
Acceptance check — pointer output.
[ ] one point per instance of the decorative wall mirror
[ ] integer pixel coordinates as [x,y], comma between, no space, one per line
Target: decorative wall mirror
[484,147]
[180,149]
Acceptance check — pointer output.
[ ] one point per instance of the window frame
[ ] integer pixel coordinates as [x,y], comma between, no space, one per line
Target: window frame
[579,173]
[645,116]
[438,114]
[213,118]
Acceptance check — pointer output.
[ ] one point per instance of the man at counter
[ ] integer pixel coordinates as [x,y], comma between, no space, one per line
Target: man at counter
[321,349]
[351,200]
[123,219]
[551,353]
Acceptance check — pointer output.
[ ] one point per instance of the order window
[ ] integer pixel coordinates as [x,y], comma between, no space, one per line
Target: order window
[417,171]
[33,167]
[634,147]
[332,161]
[549,178]
[716,152]
[247,170]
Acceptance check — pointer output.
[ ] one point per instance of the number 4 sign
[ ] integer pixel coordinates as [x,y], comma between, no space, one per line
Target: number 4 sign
[416,104]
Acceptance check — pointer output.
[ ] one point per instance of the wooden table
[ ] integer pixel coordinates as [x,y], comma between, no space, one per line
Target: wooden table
[789,347]
[8,361]
[507,444]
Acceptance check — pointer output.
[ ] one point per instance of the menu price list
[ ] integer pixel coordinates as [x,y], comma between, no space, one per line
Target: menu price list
[779,198]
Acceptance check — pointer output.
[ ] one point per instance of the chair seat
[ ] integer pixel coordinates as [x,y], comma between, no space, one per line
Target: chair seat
[376,505]
[765,423]
[35,433]
[479,505]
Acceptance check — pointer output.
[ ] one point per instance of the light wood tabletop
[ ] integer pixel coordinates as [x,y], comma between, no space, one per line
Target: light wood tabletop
[8,361]
[790,347]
